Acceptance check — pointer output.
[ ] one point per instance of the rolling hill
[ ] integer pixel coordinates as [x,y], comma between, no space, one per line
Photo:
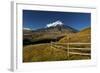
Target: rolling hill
[84,36]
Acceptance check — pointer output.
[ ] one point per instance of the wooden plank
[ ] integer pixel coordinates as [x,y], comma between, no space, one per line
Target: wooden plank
[88,54]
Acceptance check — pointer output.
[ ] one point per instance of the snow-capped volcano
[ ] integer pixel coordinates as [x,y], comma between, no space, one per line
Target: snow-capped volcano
[54,24]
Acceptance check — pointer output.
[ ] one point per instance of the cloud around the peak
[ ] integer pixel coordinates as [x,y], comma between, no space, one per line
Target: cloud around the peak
[54,24]
[26,28]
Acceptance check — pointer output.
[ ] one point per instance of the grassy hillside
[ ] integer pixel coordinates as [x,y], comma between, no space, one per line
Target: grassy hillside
[43,52]
[84,36]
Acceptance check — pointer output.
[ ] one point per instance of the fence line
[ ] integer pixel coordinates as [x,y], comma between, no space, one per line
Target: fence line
[71,43]
[53,44]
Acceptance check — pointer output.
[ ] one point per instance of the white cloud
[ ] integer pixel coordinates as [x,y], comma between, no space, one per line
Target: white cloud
[54,24]
[26,28]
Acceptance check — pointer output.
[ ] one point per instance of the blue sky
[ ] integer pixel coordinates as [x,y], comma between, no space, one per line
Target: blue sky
[39,19]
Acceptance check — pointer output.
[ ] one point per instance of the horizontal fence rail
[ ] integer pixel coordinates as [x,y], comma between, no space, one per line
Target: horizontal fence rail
[69,43]
[79,53]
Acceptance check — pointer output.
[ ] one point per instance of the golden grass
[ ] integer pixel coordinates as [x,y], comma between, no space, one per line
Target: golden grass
[83,36]
[79,45]
[44,52]
[78,57]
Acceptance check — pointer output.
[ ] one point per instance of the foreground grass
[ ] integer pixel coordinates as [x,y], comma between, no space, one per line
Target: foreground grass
[78,57]
[46,52]
[42,53]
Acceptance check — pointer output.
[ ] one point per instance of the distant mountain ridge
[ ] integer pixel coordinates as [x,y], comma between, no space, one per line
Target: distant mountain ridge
[57,26]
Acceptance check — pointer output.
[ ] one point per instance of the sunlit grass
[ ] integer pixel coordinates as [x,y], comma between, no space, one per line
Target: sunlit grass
[44,52]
